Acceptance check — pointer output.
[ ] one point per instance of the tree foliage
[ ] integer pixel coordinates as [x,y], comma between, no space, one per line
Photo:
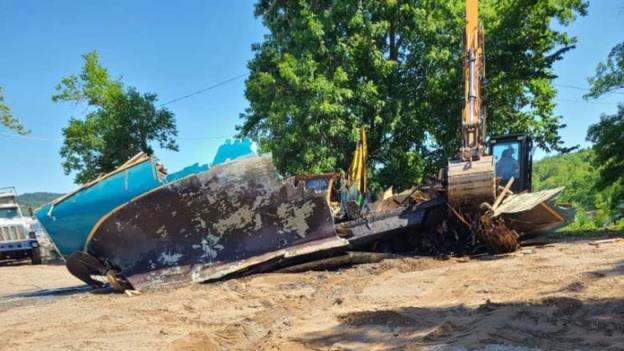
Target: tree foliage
[608,134]
[121,122]
[394,67]
[35,200]
[610,74]
[608,138]
[8,120]
[575,171]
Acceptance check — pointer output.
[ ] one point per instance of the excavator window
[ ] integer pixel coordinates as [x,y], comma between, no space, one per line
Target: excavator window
[507,156]
[319,185]
[513,155]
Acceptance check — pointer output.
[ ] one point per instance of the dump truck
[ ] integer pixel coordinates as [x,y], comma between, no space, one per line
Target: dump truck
[17,239]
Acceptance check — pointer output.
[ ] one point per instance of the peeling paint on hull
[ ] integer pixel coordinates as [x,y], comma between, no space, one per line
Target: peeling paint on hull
[230,213]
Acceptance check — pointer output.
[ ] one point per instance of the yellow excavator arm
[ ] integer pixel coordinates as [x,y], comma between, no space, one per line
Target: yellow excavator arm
[473,115]
[471,179]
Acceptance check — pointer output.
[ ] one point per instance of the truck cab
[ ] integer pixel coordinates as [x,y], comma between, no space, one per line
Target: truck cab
[17,240]
[513,157]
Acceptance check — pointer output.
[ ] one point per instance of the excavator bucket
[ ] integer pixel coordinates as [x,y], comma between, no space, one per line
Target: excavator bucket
[471,183]
[233,212]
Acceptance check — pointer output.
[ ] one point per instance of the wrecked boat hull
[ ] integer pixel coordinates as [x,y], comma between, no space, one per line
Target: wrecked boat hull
[69,219]
[230,213]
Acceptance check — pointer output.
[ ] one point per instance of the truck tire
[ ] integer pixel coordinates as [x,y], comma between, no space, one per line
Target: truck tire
[35,255]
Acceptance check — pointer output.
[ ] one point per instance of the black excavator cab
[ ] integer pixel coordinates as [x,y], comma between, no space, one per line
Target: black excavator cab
[513,157]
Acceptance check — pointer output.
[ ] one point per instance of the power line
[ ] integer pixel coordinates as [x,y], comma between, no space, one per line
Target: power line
[582,88]
[32,137]
[586,102]
[207,138]
[201,91]
[224,82]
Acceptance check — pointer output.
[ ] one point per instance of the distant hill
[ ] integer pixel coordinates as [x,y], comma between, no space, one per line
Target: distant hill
[35,200]
[579,176]
[574,171]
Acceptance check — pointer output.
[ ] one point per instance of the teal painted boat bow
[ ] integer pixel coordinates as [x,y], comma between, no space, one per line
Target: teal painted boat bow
[69,219]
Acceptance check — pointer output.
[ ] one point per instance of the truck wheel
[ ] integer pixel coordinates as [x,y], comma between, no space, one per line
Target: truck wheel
[35,255]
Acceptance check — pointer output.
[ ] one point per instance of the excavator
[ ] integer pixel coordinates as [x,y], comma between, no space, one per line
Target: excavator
[472,177]
[489,183]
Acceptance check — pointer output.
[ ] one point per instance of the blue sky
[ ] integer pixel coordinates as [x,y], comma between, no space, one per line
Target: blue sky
[175,48]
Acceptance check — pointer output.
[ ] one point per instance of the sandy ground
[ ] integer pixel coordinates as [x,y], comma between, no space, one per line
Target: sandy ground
[567,295]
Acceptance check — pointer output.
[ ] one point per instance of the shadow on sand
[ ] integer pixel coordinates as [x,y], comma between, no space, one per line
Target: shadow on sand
[579,235]
[36,297]
[553,323]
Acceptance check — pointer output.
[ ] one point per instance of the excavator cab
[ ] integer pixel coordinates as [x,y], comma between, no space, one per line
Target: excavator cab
[513,157]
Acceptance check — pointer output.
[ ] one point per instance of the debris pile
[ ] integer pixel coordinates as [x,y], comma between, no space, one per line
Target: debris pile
[239,217]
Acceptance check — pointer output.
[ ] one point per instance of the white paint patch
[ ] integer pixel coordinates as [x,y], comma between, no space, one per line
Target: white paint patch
[294,218]
[257,222]
[260,201]
[211,247]
[239,219]
[162,231]
[169,258]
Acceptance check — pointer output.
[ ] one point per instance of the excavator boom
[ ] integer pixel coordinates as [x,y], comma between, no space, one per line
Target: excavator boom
[473,116]
[471,179]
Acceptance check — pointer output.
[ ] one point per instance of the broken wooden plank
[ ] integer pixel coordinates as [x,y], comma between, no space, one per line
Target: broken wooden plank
[501,196]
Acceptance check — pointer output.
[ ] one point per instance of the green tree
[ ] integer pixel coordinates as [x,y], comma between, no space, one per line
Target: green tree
[608,134]
[577,173]
[120,122]
[609,75]
[395,68]
[8,120]
[574,171]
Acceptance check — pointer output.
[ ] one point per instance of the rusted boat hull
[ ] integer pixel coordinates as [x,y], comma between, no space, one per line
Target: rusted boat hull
[230,213]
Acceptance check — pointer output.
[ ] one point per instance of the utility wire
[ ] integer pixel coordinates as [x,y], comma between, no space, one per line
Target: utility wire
[224,82]
[198,92]
[11,135]
[586,102]
[32,137]
[207,138]
[201,91]
[584,89]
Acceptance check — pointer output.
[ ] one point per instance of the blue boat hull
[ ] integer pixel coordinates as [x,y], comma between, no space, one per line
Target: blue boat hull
[70,221]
